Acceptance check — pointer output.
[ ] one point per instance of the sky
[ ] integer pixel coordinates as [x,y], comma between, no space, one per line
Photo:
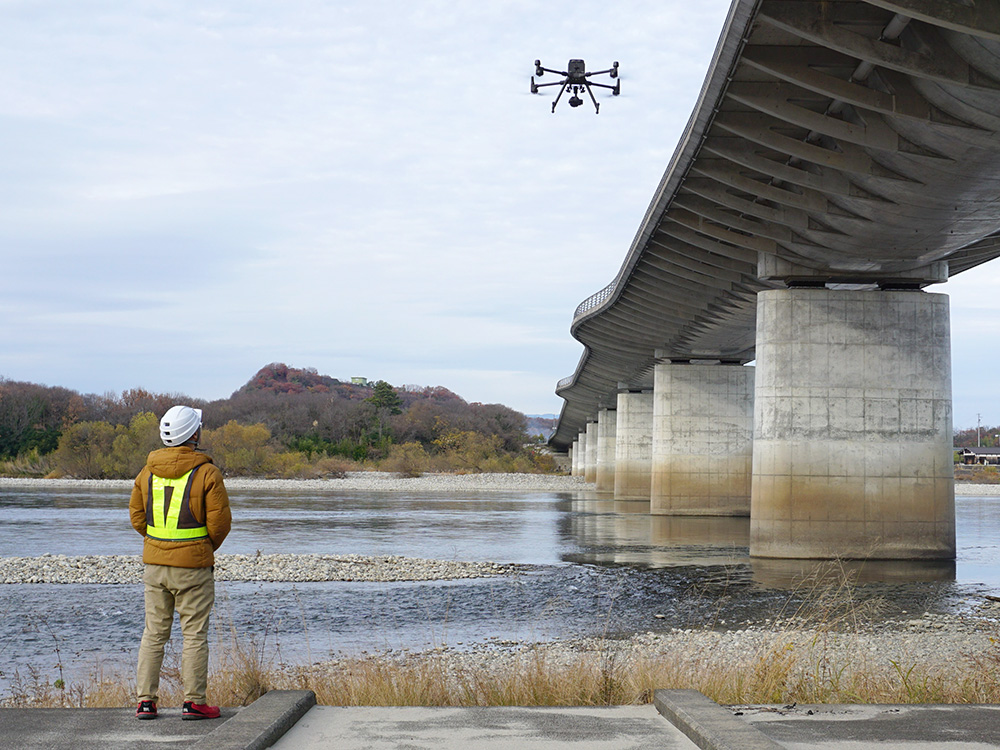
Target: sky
[194,190]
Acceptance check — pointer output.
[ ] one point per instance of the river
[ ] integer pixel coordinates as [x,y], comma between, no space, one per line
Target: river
[591,566]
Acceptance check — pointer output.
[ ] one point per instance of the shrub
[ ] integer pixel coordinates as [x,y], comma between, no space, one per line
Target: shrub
[29,464]
[240,450]
[407,460]
[334,467]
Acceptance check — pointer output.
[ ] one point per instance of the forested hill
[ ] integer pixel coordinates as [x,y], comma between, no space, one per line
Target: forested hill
[301,410]
[279,378]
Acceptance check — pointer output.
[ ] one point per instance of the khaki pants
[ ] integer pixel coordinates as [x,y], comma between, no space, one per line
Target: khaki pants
[191,591]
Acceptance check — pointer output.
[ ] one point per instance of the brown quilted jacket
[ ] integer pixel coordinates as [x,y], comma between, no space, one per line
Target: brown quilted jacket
[209,503]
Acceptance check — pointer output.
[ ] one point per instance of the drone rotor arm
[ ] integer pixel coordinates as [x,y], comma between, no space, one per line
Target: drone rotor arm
[612,71]
[554,83]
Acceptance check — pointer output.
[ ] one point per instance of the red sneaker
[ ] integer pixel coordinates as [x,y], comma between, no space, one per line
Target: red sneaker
[146,710]
[198,711]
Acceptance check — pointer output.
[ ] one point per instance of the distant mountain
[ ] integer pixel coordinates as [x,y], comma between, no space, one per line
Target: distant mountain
[541,424]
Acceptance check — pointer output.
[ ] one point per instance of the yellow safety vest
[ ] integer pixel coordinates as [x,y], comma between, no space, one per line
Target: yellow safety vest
[168,510]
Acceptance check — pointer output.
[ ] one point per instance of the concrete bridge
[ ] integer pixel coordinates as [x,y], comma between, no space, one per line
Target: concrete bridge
[843,156]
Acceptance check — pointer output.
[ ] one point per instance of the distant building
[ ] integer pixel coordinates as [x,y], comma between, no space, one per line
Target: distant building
[990,456]
[359,381]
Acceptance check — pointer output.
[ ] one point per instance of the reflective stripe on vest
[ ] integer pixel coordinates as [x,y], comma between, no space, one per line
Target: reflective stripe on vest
[168,510]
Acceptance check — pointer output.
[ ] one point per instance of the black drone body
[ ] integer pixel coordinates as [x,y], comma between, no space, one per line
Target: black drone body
[576,81]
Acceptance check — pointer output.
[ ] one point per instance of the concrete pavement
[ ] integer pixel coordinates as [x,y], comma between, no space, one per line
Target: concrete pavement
[871,727]
[678,720]
[255,727]
[494,728]
[99,728]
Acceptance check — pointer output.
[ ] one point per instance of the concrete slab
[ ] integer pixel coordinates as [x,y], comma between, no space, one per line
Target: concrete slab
[873,727]
[252,728]
[100,729]
[261,723]
[709,725]
[576,728]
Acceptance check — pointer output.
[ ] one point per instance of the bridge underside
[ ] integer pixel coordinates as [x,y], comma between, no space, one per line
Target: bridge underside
[835,143]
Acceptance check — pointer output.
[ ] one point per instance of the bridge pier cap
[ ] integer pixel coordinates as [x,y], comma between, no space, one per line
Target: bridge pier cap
[775,269]
[852,451]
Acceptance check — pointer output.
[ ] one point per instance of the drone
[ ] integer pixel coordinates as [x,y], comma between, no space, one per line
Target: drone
[576,81]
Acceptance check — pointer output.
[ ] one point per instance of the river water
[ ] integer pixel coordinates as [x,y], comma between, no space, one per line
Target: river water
[592,566]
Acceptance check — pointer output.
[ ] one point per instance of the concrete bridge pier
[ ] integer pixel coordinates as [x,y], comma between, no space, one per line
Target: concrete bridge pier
[590,473]
[702,439]
[633,445]
[572,459]
[852,453]
[580,452]
[607,430]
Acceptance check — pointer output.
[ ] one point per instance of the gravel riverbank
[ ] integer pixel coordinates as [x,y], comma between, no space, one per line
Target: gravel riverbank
[368,481]
[381,481]
[118,569]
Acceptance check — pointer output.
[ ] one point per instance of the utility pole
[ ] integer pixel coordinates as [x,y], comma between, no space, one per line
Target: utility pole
[979,430]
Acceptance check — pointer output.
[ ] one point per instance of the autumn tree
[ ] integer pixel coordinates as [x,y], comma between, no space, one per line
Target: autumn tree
[133,444]
[84,450]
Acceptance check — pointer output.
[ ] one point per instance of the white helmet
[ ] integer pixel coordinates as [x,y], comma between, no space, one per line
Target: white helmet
[179,424]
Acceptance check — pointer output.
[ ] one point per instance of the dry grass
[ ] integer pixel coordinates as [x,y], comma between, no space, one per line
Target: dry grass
[781,673]
[977,474]
[787,668]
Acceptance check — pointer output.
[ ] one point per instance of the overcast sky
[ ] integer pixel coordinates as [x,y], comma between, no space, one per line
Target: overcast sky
[193,190]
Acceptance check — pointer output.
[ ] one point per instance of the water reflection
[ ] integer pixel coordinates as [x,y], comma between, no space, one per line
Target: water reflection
[791,574]
[605,532]
[625,534]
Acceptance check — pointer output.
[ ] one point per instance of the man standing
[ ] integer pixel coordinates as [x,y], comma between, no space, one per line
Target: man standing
[179,504]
